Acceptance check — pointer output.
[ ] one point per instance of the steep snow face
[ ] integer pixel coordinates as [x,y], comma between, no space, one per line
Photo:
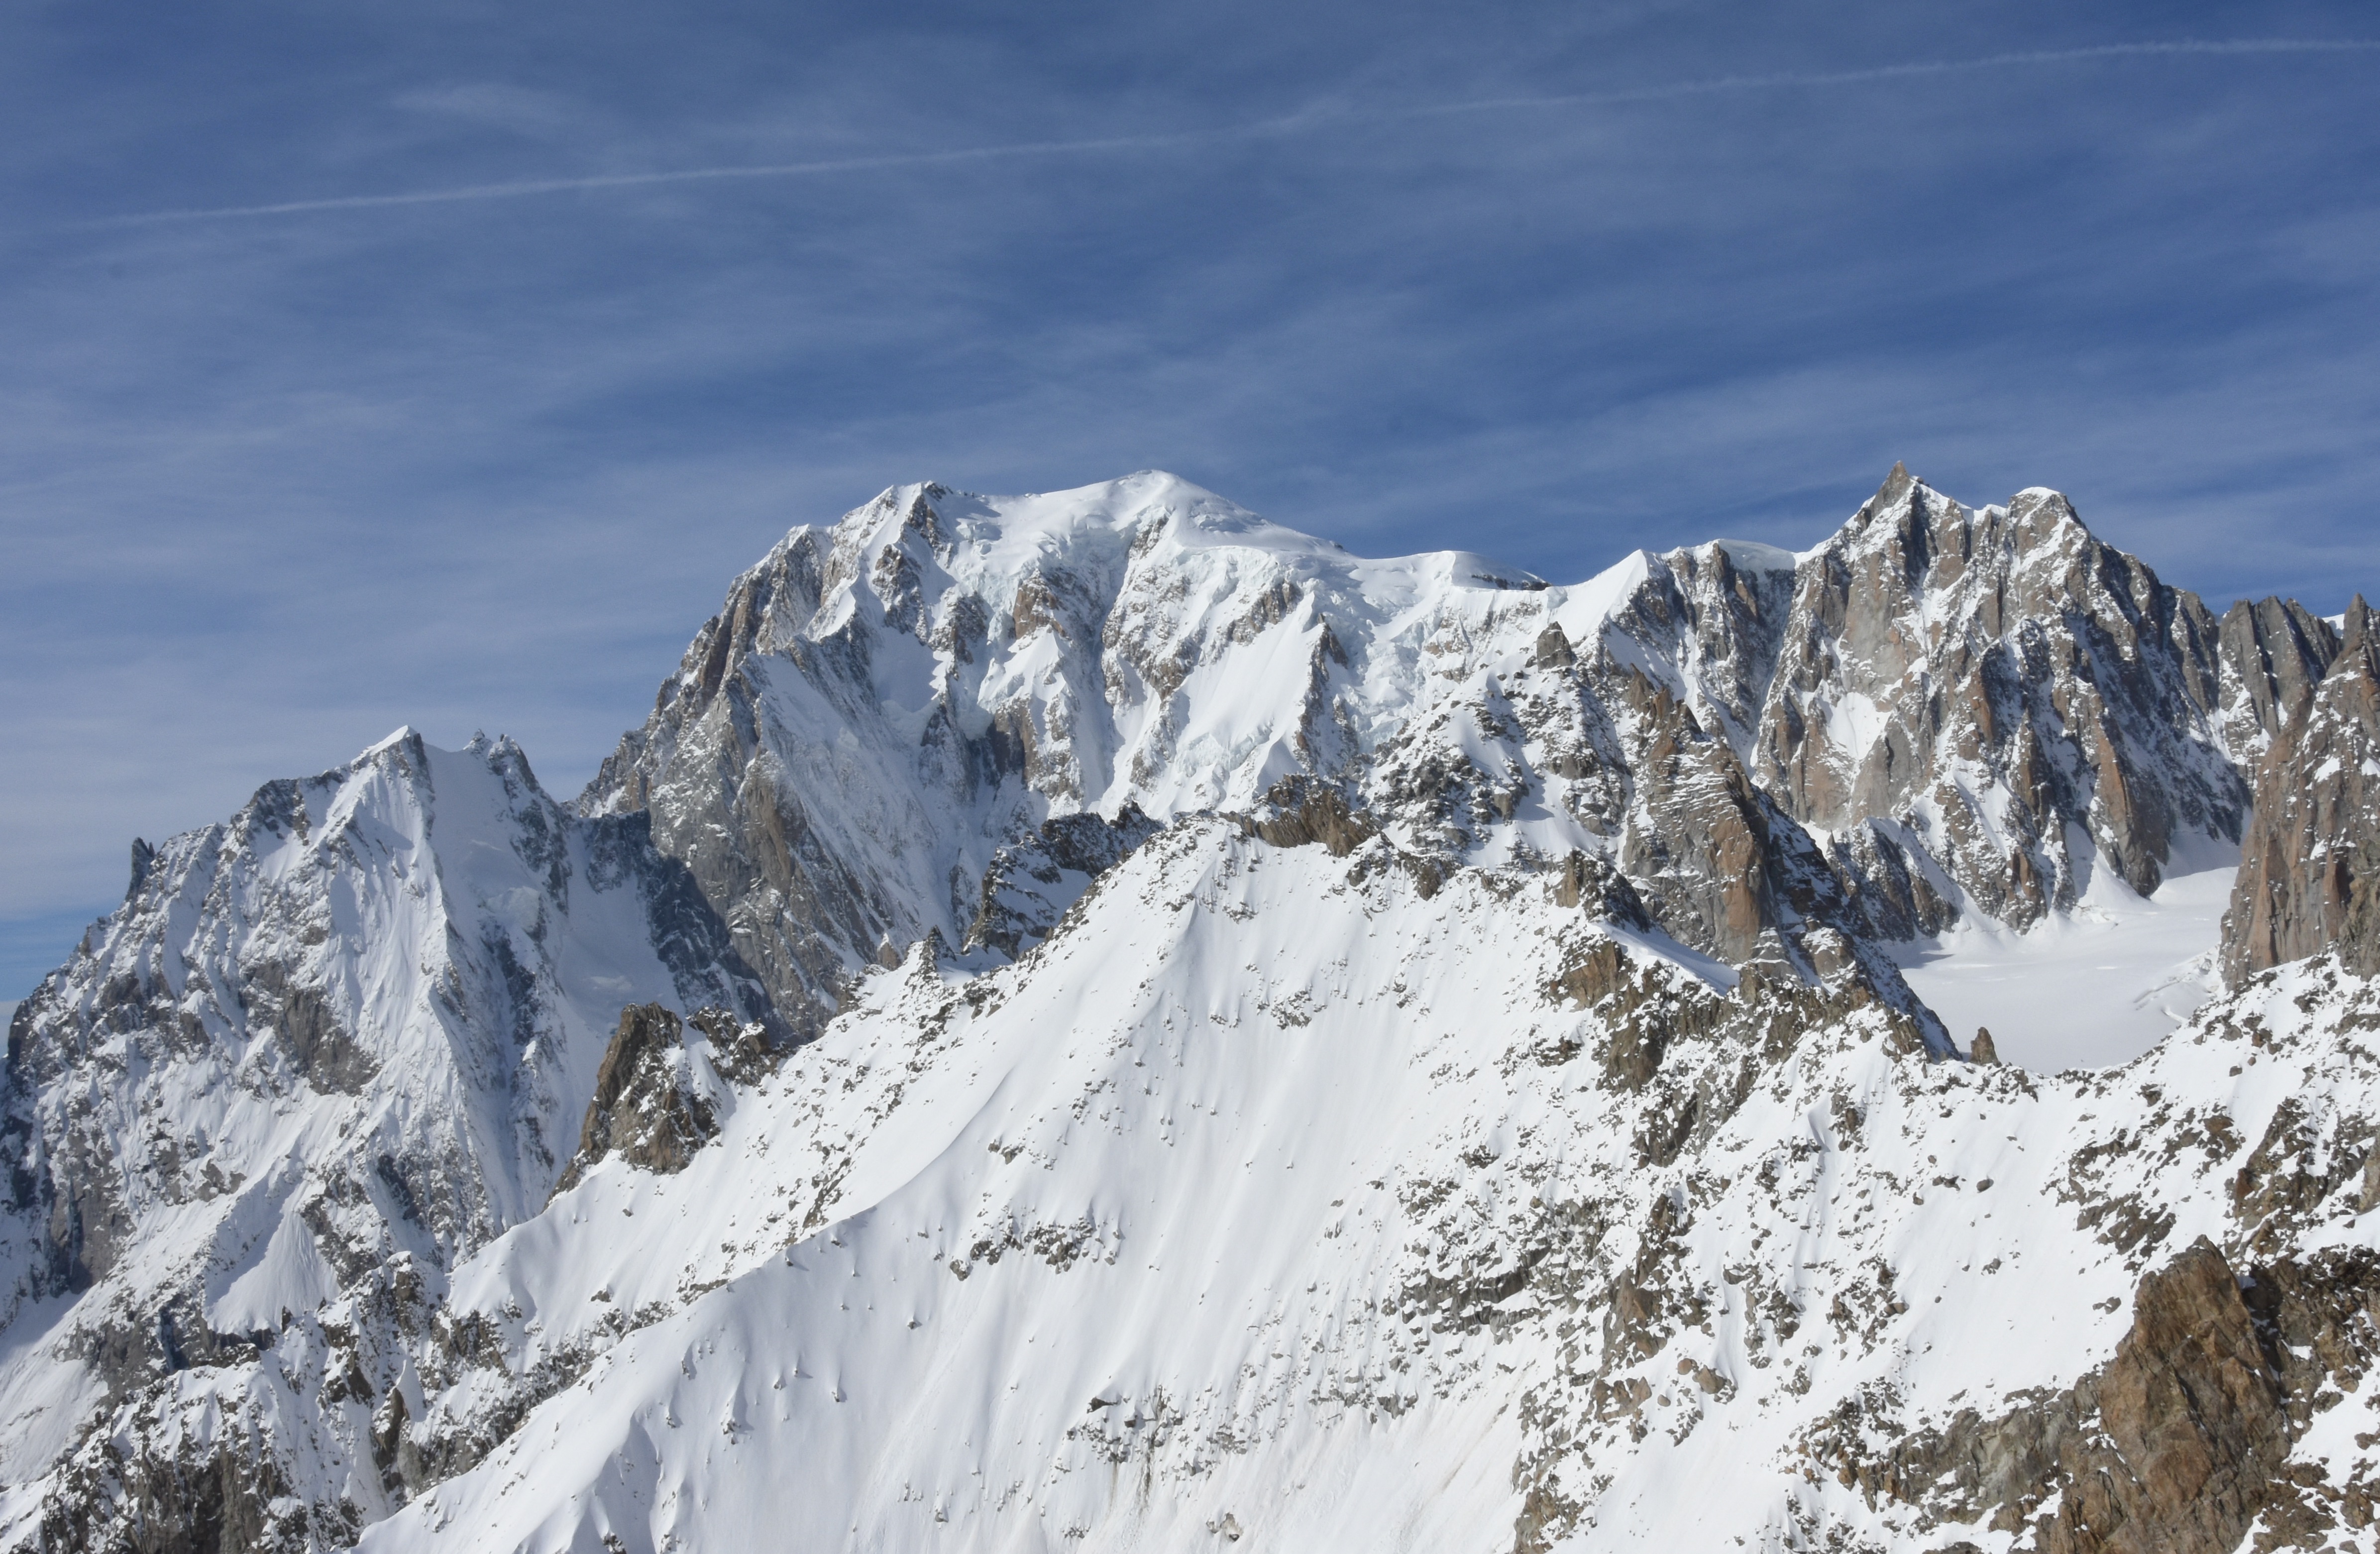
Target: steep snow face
[1273,1201]
[2001,704]
[1201,1206]
[353,1029]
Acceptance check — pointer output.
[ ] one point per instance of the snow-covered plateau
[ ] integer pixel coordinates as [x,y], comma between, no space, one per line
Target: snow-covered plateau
[1094,1021]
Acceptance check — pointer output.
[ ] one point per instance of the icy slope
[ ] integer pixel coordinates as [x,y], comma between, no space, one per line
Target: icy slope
[1448,1222]
[353,1029]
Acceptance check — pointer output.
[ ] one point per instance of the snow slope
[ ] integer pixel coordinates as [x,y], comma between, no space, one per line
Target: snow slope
[1187,1229]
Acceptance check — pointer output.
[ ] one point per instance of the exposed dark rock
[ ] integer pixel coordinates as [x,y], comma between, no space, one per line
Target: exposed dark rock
[649,1107]
[2274,653]
[301,1017]
[1300,811]
[231,1499]
[2012,640]
[2280,1191]
[2181,1442]
[1593,883]
[2309,869]
[1892,882]
[1031,884]
[741,1051]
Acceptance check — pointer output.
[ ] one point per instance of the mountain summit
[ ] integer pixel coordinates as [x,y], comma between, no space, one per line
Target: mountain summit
[1093,1020]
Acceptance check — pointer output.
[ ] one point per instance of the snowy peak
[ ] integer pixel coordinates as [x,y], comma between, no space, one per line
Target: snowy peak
[1976,709]
[883,705]
[354,1025]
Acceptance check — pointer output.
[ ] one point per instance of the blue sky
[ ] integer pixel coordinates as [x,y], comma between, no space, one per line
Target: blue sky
[1549,283]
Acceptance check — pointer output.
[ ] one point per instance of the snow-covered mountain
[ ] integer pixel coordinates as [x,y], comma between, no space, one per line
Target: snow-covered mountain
[1095,1020]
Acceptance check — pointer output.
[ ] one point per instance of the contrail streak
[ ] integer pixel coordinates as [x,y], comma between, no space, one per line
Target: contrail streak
[675,176]
[1716,85]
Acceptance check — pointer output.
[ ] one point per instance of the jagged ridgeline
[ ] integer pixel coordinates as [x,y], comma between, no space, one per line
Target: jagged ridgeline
[1094,1021]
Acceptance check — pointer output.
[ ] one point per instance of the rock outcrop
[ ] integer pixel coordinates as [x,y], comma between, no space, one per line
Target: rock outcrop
[2275,652]
[2183,1441]
[658,1097]
[2310,870]
[2195,1421]
[1032,882]
[1997,688]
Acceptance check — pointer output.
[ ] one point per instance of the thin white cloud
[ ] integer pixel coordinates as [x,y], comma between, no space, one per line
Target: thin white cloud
[1722,84]
[1027,150]
[680,176]
[496,104]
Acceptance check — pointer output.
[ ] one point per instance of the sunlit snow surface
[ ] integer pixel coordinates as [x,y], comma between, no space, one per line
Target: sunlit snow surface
[2100,986]
[1134,1244]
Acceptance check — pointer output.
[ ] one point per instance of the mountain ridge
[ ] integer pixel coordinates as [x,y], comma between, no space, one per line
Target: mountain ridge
[311,1116]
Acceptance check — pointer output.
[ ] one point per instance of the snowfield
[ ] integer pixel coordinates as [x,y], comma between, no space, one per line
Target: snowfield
[2094,988]
[1187,1222]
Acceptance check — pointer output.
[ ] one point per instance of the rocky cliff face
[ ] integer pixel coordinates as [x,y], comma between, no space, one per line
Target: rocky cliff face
[658,1097]
[1401,1010]
[2002,693]
[2310,871]
[2275,652]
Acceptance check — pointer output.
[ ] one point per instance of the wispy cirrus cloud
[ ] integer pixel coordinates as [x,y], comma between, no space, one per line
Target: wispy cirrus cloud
[498,105]
[514,108]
